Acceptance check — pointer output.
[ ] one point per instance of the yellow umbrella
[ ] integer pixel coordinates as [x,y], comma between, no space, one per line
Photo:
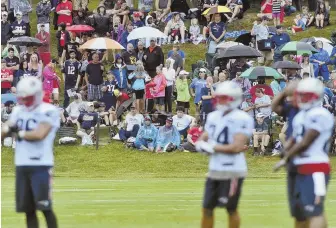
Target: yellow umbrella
[217,9]
[101,43]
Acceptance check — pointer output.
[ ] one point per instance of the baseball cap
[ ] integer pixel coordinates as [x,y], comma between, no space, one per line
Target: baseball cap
[169,119]
[260,115]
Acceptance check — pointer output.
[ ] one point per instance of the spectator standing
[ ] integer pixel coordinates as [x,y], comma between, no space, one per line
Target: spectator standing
[94,78]
[320,60]
[12,63]
[153,58]
[81,18]
[71,76]
[101,21]
[178,61]
[133,121]
[207,93]
[20,27]
[140,51]
[51,80]
[124,35]
[119,70]
[182,89]
[217,32]
[5,30]
[248,106]
[109,98]
[196,87]
[307,66]
[276,11]
[149,98]
[44,50]
[279,39]
[169,73]
[264,45]
[34,66]
[80,5]
[6,78]
[129,56]
[43,10]
[63,38]
[159,90]
[64,11]
[71,45]
[138,77]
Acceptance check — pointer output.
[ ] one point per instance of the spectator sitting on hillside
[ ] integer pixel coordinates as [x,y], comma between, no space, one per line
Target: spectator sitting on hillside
[61,110]
[207,98]
[307,17]
[299,24]
[73,109]
[236,7]
[182,121]
[168,138]
[193,134]
[145,139]
[99,108]
[175,29]
[137,22]
[260,135]
[6,111]
[158,118]
[321,14]
[87,120]
[289,8]
[132,125]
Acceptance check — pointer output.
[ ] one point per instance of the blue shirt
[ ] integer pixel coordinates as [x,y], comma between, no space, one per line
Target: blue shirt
[197,84]
[108,97]
[88,120]
[138,24]
[217,29]
[8,97]
[206,104]
[278,40]
[181,53]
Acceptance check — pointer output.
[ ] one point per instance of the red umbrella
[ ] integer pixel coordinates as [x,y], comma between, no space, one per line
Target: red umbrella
[80,28]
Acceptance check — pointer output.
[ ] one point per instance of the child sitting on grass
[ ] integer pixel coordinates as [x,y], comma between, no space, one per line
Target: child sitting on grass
[300,25]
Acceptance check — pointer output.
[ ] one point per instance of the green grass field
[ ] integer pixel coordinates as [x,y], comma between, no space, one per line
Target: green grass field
[116,187]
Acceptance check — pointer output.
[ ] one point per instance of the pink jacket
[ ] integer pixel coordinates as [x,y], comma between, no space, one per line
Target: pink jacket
[48,79]
[160,85]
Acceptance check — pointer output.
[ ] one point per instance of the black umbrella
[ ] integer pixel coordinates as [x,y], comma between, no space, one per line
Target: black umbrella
[25,41]
[239,51]
[286,65]
[244,38]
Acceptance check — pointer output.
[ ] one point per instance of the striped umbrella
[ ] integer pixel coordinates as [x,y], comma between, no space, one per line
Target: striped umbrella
[101,43]
[261,71]
[297,48]
[216,9]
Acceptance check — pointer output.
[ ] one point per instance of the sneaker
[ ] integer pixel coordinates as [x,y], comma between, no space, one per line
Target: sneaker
[276,153]
[116,137]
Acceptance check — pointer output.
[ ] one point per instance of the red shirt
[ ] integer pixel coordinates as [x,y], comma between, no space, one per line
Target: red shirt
[6,73]
[195,133]
[123,97]
[62,39]
[267,89]
[62,17]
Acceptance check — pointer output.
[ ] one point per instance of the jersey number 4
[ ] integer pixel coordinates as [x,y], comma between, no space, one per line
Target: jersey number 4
[223,136]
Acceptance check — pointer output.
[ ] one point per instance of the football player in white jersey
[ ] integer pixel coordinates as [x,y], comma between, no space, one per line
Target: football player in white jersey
[226,134]
[308,149]
[35,124]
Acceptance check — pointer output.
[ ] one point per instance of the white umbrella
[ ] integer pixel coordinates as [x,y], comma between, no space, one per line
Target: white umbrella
[145,32]
[327,44]
[102,43]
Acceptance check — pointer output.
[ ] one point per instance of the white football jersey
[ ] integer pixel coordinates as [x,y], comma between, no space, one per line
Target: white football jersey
[35,153]
[222,129]
[320,120]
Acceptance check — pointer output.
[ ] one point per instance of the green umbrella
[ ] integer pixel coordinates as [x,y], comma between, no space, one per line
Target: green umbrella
[260,71]
[297,48]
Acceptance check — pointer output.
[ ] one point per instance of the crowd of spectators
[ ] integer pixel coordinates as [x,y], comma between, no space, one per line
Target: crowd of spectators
[137,94]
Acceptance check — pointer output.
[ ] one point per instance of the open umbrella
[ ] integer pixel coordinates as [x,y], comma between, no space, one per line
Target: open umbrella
[239,51]
[244,38]
[216,9]
[261,71]
[145,32]
[25,41]
[80,28]
[297,48]
[101,43]
[286,65]
[327,44]
[315,39]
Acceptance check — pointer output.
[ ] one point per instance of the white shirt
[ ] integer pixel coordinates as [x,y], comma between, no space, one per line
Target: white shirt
[267,111]
[133,120]
[182,123]
[320,120]
[35,153]
[73,109]
[221,130]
